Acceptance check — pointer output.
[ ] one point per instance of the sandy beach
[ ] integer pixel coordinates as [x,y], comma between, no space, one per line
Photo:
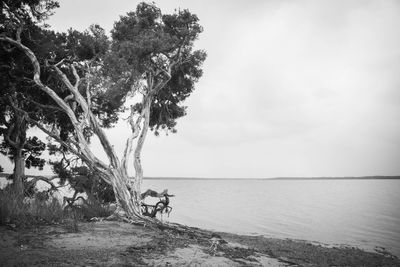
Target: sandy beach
[114,243]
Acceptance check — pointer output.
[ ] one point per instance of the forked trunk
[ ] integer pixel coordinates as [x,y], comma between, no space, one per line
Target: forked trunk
[125,196]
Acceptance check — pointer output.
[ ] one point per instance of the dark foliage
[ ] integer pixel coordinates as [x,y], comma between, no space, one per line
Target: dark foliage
[146,41]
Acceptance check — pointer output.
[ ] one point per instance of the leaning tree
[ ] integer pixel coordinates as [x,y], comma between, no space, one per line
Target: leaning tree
[151,58]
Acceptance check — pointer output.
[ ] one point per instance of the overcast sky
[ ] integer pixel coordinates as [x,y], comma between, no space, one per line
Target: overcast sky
[290,88]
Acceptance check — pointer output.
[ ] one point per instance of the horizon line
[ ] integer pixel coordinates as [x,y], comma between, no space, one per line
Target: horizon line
[369,177]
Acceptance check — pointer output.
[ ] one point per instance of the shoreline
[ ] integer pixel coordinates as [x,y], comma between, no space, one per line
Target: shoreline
[114,243]
[283,178]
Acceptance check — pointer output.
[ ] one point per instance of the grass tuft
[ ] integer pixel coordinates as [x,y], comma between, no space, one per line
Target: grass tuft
[23,212]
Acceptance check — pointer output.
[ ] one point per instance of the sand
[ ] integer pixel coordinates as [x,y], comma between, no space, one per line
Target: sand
[113,243]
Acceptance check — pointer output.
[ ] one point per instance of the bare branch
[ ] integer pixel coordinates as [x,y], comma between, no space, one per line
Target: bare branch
[83,150]
[36,76]
[35,179]
[63,77]
[45,106]
[135,127]
[77,78]
[92,119]
[166,72]
[68,97]
[59,62]
[160,86]
[89,101]
[18,34]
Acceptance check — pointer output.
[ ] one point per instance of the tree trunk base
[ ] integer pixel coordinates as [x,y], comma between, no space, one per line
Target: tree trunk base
[120,215]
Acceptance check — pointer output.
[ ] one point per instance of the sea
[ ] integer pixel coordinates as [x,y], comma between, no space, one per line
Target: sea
[363,213]
[340,212]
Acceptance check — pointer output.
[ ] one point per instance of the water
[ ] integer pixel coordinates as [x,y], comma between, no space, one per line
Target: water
[362,213]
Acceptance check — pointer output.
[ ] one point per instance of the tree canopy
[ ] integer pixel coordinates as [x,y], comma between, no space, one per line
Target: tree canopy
[157,49]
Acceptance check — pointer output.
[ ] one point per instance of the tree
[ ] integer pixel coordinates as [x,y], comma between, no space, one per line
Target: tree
[23,151]
[151,56]
[156,51]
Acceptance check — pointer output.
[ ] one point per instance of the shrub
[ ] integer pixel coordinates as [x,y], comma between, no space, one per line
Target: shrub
[23,212]
[20,211]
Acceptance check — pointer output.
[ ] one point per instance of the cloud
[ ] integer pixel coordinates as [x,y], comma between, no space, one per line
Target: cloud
[310,69]
[290,88]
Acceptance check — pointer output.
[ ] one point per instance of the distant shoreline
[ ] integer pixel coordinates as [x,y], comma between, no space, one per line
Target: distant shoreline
[377,177]
[281,178]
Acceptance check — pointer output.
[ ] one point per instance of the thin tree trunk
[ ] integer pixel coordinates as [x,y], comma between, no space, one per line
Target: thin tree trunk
[19,172]
[137,154]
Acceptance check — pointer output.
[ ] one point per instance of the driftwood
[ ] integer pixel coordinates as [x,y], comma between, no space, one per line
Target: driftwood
[161,206]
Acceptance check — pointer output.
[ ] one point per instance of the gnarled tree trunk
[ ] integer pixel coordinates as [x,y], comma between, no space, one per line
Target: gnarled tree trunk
[16,138]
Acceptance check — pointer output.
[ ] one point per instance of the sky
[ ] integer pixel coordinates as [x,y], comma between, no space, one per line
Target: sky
[290,88]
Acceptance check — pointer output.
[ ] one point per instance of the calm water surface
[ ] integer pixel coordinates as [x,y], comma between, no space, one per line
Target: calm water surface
[362,213]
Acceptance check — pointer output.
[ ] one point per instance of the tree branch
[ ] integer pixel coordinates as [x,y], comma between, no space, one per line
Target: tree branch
[59,62]
[17,143]
[135,128]
[166,72]
[57,138]
[36,76]
[109,149]
[68,98]
[44,106]
[35,179]
[89,101]
[81,137]
[77,78]
[8,138]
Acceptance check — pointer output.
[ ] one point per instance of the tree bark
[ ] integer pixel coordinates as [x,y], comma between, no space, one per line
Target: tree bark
[136,188]
[19,172]
[16,138]
[124,198]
